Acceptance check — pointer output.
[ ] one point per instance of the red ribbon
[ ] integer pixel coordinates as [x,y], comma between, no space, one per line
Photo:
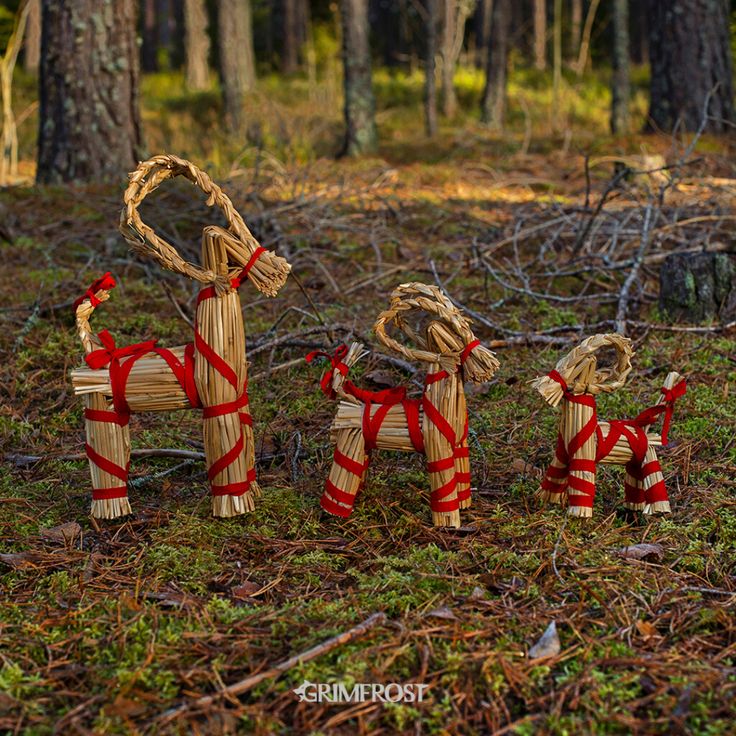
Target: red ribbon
[257,253]
[110,352]
[467,350]
[104,283]
[649,416]
[337,364]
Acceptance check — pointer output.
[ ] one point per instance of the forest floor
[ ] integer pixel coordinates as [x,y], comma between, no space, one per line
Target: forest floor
[104,626]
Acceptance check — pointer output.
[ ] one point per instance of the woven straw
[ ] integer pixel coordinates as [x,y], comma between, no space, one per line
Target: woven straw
[579,368]
[268,273]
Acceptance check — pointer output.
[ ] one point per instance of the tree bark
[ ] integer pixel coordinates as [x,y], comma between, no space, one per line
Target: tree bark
[456,14]
[237,60]
[89,122]
[360,123]
[483,13]
[149,37]
[620,86]
[576,23]
[197,43]
[493,109]
[540,34]
[32,52]
[294,33]
[698,287]
[430,77]
[638,31]
[690,56]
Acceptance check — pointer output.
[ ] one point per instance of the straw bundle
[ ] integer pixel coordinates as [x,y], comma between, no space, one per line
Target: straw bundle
[268,272]
[112,442]
[220,325]
[151,384]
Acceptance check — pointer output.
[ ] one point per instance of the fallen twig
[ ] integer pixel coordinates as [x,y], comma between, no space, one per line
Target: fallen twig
[243,686]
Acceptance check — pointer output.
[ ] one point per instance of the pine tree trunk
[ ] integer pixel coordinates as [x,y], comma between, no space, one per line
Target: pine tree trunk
[540,34]
[149,40]
[690,55]
[493,109]
[430,76]
[456,14]
[89,122]
[32,52]
[197,43]
[360,135]
[294,18]
[620,87]
[237,60]
[482,22]
[639,34]
[576,23]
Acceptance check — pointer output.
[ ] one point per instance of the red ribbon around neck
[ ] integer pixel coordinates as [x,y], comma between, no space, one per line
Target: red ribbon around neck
[337,365]
[104,283]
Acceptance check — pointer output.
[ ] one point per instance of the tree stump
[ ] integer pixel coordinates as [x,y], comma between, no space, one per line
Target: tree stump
[698,287]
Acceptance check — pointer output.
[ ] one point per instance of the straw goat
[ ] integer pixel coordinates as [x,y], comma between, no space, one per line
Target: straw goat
[435,424]
[210,373]
[583,442]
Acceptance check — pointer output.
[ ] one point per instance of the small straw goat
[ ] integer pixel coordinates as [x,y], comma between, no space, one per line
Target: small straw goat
[583,441]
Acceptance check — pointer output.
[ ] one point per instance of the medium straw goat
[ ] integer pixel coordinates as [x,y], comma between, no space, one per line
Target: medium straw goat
[435,424]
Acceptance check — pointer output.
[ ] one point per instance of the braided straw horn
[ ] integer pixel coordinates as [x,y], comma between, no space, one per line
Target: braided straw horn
[579,369]
[268,272]
[451,329]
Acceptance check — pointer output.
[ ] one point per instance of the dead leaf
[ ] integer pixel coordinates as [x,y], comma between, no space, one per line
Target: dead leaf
[245,590]
[525,468]
[380,378]
[63,533]
[548,645]
[443,612]
[645,552]
[20,560]
[646,629]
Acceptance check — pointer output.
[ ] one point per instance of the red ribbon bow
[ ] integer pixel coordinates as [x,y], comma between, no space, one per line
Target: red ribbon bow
[649,416]
[104,283]
[100,358]
[337,364]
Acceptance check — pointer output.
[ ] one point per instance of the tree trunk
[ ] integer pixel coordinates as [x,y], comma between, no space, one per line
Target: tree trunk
[32,53]
[540,34]
[453,32]
[430,80]
[149,40]
[197,42]
[639,36]
[620,87]
[237,60]
[294,33]
[576,23]
[360,123]
[690,55]
[493,109]
[483,13]
[556,63]
[89,125]
[698,287]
